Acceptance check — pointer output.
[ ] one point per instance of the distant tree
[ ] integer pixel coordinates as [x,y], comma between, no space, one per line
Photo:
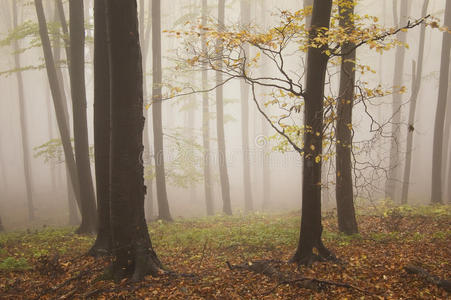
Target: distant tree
[78,92]
[132,247]
[162,196]
[344,189]
[417,73]
[394,163]
[1,225]
[244,91]
[23,123]
[102,132]
[206,124]
[437,154]
[222,155]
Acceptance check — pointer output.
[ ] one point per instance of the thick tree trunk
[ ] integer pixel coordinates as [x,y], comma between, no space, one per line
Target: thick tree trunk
[244,90]
[162,196]
[436,195]
[394,164]
[57,95]
[23,124]
[132,248]
[222,156]
[344,192]
[102,133]
[78,92]
[417,73]
[311,228]
[206,123]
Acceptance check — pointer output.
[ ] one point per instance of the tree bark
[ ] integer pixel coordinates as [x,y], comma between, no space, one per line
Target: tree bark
[78,93]
[344,189]
[102,132]
[23,125]
[311,228]
[222,156]
[206,123]
[436,195]
[393,168]
[57,95]
[132,247]
[162,197]
[244,91]
[417,73]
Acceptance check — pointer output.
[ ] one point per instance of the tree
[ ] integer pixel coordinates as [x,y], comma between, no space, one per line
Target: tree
[244,90]
[57,95]
[162,196]
[436,195]
[344,192]
[206,124]
[1,225]
[393,168]
[23,124]
[132,247]
[78,92]
[417,73]
[102,133]
[222,155]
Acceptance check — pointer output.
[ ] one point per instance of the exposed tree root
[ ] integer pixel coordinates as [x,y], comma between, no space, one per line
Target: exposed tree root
[445,284]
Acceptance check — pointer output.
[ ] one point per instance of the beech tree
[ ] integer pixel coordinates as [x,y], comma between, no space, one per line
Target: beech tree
[131,244]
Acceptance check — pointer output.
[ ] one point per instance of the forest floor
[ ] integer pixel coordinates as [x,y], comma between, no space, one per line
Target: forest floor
[51,263]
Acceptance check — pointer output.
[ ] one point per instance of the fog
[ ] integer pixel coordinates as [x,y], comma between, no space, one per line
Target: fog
[182,119]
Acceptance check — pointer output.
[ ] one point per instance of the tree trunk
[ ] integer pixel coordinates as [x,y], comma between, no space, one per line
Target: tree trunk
[78,92]
[1,225]
[58,99]
[393,168]
[23,124]
[244,90]
[102,132]
[344,192]
[308,19]
[311,228]
[436,195]
[222,155]
[162,197]
[417,73]
[132,247]
[206,124]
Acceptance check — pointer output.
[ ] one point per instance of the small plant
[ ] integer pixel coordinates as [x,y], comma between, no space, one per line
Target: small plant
[14,264]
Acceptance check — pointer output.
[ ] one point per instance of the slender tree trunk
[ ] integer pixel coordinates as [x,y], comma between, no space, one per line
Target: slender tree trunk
[23,124]
[51,136]
[244,90]
[102,132]
[308,19]
[436,195]
[417,73]
[222,156]
[132,247]
[78,92]
[1,225]
[393,168]
[311,228]
[206,123]
[58,99]
[162,197]
[344,192]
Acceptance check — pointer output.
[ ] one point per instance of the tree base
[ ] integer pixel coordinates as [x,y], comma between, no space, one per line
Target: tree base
[145,263]
[306,257]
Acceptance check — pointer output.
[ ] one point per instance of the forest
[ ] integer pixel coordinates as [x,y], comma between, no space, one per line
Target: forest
[225,149]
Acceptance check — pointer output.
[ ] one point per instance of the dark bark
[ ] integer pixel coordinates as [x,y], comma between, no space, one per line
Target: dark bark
[78,93]
[222,156]
[23,124]
[311,228]
[244,90]
[393,168]
[58,100]
[206,124]
[132,248]
[344,191]
[436,195]
[162,196]
[417,73]
[103,242]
